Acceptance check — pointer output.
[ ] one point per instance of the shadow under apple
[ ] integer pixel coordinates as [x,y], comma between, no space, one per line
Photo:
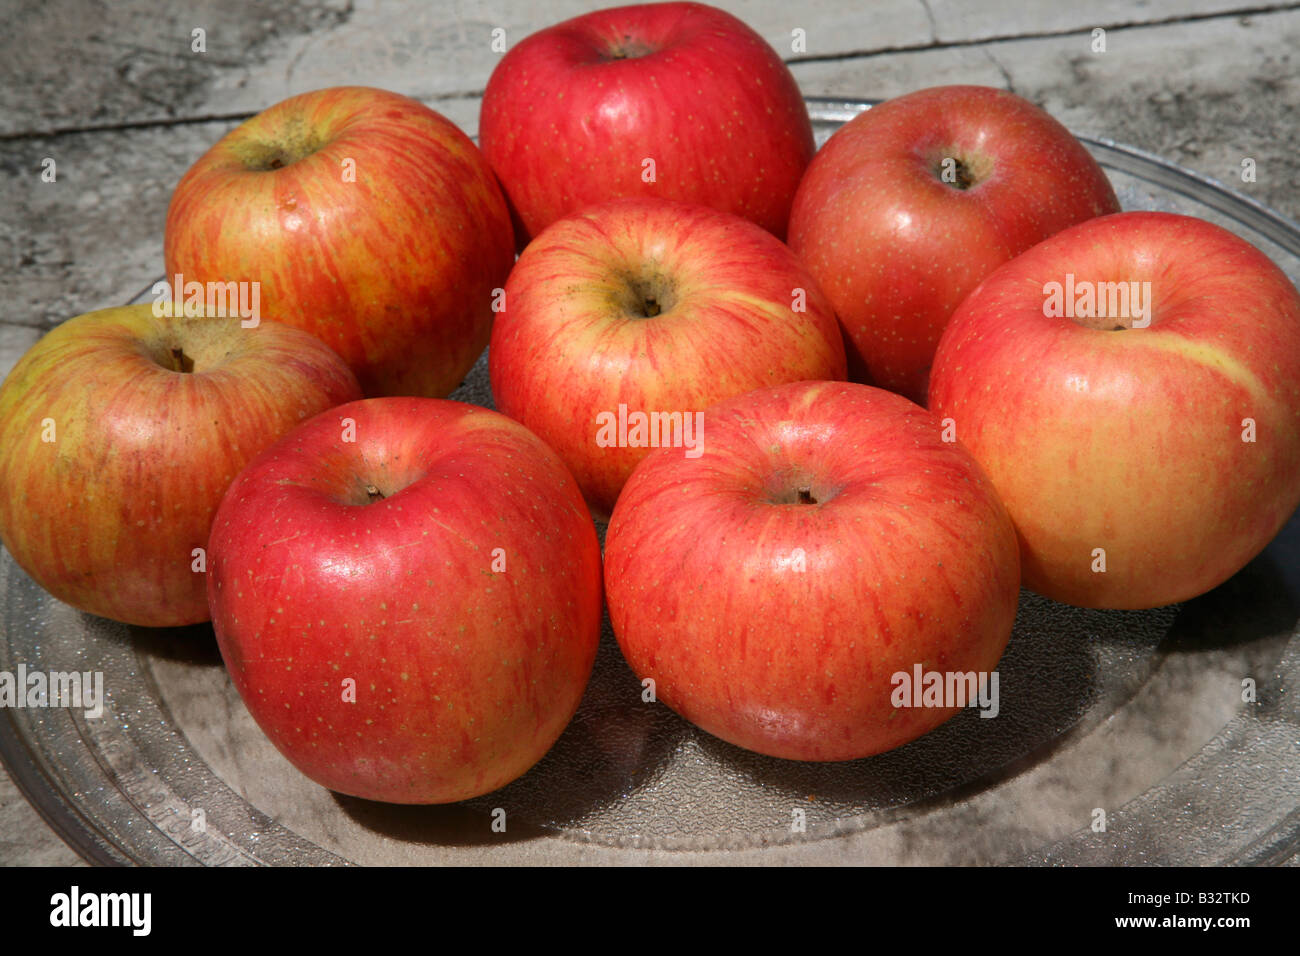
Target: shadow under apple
[1261,600]
[1064,669]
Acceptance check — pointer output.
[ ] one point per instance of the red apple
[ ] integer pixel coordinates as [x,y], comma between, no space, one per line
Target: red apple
[649,309]
[667,100]
[368,219]
[827,541]
[1141,465]
[911,204]
[407,594]
[119,433]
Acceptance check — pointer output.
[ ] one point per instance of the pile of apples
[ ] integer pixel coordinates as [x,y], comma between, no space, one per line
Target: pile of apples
[836,407]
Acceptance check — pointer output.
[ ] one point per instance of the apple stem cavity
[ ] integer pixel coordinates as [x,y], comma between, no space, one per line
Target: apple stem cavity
[786,490]
[963,178]
[272,158]
[295,144]
[629,49]
[646,296]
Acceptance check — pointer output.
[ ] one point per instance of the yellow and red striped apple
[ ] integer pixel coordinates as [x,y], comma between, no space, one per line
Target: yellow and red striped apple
[368,219]
[826,541]
[643,307]
[119,433]
[1145,454]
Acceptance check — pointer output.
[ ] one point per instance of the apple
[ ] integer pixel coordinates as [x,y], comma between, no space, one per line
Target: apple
[911,204]
[368,220]
[1145,435]
[407,595]
[623,322]
[827,541]
[667,100]
[119,432]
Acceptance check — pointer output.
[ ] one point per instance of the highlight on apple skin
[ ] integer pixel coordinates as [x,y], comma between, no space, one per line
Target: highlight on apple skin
[407,595]
[120,430]
[827,540]
[1145,432]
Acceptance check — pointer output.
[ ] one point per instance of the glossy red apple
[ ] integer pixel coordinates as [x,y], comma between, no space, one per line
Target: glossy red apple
[827,540]
[911,204]
[645,310]
[1141,465]
[407,595]
[368,219]
[665,100]
[119,433]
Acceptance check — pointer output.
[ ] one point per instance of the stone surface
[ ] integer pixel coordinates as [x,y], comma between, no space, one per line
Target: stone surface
[137,62]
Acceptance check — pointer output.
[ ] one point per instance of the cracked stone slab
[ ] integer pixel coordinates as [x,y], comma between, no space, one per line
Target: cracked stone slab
[958,21]
[137,61]
[73,63]
[92,238]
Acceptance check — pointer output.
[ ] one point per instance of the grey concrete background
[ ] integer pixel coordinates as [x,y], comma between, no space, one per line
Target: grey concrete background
[115,95]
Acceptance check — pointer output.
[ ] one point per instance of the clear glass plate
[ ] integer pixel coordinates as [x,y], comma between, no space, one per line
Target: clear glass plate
[1137,714]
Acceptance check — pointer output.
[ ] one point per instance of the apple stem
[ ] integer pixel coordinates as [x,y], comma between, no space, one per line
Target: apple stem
[180,361]
[374,493]
[806,497]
